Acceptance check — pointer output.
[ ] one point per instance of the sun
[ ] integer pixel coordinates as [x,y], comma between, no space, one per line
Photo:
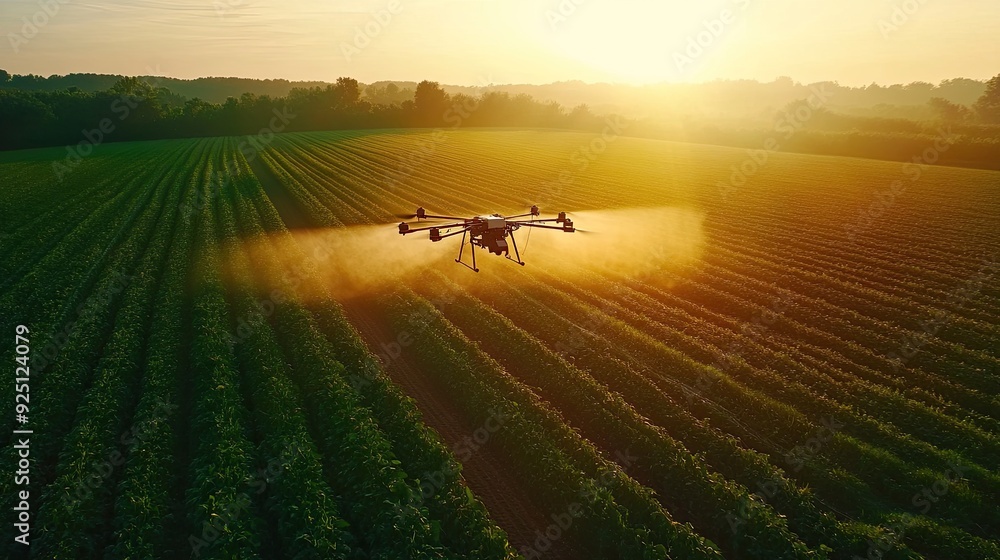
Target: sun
[628,40]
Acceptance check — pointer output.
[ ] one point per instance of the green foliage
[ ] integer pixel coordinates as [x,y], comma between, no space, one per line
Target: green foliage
[159,268]
[949,112]
[135,108]
[988,106]
[616,515]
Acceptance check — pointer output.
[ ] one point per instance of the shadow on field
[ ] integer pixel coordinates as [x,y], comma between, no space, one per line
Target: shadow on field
[487,470]
[289,210]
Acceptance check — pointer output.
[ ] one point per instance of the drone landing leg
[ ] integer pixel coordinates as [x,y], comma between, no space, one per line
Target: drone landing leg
[516,252]
[472,247]
[461,248]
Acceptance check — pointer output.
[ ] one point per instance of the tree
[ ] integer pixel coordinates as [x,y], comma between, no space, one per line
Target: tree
[960,90]
[921,87]
[988,106]
[350,91]
[581,116]
[133,86]
[947,111]
[27,121]
[197,107]
[4,77]
[430,102]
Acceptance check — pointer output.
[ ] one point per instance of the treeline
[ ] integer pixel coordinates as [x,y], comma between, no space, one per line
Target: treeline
[133,109]
[750,98]
[721,97]
[214,89]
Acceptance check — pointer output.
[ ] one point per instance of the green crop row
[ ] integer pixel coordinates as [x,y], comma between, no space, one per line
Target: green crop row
[614,517]
[69,298]
[722,511]
[816,394]
[888,473]
[22,249]
[75,506]
[91,299]
[145,513]
[855,320]
[89,302]
[349,206]
[291,180]
[291,473]
[465,525]
[820,348]
[604,355]
[219,497]
[944,431]
[384,512]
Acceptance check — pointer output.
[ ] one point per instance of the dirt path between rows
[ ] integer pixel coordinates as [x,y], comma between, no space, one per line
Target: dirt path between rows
[488,471]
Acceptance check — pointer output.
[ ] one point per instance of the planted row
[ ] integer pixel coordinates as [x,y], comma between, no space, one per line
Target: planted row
[613,515]
[432,470]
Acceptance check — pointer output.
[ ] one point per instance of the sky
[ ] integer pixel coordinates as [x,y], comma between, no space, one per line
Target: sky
[479,42]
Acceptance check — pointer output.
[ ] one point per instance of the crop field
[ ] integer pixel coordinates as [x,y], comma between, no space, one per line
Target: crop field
[746,355]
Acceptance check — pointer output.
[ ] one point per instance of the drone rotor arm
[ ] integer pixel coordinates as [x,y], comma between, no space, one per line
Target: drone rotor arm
[537,225]
[446,226]
[430,217]
[463,230]
[533,221]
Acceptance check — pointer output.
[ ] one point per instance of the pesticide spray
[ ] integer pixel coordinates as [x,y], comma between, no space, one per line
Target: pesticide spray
[353,261]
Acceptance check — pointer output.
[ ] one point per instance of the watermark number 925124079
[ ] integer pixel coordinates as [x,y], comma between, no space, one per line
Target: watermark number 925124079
[22,435]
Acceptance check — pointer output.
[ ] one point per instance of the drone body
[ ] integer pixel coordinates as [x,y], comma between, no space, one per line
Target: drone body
[487,232]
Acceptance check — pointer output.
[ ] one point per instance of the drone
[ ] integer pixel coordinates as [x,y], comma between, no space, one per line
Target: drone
[487,232]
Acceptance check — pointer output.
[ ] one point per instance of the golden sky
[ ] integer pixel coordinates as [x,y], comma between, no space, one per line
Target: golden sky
[475,42]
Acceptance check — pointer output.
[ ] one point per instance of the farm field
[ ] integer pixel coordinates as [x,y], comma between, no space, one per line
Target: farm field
[233,355]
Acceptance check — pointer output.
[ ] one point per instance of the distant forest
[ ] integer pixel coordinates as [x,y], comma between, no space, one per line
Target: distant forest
[883,122]
[732,98]
[132,108]
[213,90]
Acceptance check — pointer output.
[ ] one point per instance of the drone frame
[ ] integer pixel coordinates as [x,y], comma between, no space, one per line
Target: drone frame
[511,224]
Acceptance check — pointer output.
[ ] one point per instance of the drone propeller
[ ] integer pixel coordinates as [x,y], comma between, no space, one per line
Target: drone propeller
[573,215]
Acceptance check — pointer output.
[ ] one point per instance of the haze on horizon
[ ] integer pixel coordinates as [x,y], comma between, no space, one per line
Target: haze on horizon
[474,42]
